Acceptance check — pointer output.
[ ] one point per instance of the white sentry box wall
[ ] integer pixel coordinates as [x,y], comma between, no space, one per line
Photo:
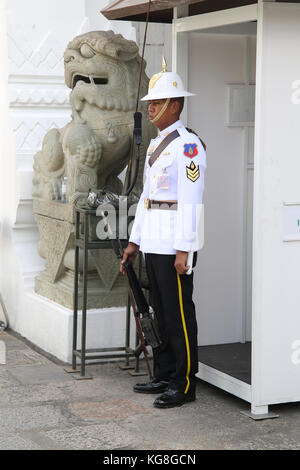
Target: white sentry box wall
[233,306]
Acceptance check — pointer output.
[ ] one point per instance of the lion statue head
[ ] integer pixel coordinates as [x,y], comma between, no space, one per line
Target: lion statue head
[103,70]
[106,66]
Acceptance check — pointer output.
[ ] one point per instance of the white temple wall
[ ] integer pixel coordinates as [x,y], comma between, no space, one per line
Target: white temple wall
[33,100]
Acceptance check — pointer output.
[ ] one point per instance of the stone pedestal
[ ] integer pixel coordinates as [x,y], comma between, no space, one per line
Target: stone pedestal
[106,286]
[50,326]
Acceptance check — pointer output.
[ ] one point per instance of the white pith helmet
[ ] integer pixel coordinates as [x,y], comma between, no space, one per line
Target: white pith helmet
[165,85]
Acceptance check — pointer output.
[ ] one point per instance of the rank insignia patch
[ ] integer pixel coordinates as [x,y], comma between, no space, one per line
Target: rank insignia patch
[193,172]
[190,150]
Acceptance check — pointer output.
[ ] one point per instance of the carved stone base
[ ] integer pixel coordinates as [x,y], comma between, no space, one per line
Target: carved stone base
[98,296]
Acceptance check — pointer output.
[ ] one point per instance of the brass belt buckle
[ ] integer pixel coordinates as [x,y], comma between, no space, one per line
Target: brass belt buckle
[147,204]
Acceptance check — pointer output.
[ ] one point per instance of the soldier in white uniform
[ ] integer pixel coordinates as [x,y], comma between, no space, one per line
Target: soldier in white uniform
[166,230]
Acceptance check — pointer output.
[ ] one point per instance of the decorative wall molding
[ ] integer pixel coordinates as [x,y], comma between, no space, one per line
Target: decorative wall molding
[29,131]
[23,54]
[39,95]
[24,215]
[34,55]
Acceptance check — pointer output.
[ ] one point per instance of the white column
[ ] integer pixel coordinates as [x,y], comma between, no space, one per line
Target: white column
[7,173]
[276,231]
[8,188]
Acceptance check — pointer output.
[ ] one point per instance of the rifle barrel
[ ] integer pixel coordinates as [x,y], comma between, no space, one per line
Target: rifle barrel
[140,299]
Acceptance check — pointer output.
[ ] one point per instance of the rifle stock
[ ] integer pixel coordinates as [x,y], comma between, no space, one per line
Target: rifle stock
[144,316]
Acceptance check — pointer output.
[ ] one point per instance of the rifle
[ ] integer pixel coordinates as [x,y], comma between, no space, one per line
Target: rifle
[146,326]
[144,316]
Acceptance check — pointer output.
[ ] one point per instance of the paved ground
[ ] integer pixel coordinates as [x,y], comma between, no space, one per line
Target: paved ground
[42,407]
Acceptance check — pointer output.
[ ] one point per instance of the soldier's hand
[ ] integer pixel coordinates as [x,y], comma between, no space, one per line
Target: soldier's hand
[130,252]
[180,262]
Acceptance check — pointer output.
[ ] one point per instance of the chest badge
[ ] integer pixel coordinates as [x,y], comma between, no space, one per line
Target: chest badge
[163,180]
[190,150]
[193,172]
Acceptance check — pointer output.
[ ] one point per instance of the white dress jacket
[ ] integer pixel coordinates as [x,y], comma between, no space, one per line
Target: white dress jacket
[176,175]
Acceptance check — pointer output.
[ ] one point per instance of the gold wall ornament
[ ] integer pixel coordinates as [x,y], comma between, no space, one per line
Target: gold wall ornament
[175,84]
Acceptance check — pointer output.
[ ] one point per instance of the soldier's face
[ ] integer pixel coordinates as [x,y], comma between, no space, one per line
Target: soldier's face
[169,115]
[155,107]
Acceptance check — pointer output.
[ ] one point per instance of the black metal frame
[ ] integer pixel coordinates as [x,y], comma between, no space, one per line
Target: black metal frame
[85,243]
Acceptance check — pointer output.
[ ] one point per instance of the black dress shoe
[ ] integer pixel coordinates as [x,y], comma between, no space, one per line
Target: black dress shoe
[154,386]
[173,398]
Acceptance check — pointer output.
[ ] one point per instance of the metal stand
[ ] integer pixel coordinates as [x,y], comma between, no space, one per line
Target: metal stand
[83,240]
[127,365]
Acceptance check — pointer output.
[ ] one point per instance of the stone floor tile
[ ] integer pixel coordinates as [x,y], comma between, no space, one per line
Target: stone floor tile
[32,394]
[34,374]
[15,442]
[32,417]
[23,357]
[93,437]
[110,409]
[85,389]
[6,379]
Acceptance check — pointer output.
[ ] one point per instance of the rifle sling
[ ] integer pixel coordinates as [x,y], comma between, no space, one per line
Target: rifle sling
[167,140]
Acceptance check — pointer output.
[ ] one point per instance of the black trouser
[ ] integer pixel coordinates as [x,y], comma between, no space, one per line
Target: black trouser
[176,360]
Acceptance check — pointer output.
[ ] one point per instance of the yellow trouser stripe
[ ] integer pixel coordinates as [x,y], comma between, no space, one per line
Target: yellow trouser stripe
[185,334]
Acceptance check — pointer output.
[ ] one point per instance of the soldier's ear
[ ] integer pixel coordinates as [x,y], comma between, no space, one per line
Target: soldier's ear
[175,106]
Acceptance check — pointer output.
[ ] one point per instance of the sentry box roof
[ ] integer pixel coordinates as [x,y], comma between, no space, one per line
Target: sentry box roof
[161,11]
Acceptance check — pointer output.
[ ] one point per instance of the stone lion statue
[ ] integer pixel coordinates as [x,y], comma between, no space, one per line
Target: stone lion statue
[102,69]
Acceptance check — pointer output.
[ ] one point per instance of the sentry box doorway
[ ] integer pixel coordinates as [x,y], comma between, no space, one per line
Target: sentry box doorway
[242,63]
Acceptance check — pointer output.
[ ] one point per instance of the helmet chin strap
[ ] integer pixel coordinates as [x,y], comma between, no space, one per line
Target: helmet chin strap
[161,112]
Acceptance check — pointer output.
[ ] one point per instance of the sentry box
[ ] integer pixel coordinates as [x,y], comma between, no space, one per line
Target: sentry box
[243,63]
